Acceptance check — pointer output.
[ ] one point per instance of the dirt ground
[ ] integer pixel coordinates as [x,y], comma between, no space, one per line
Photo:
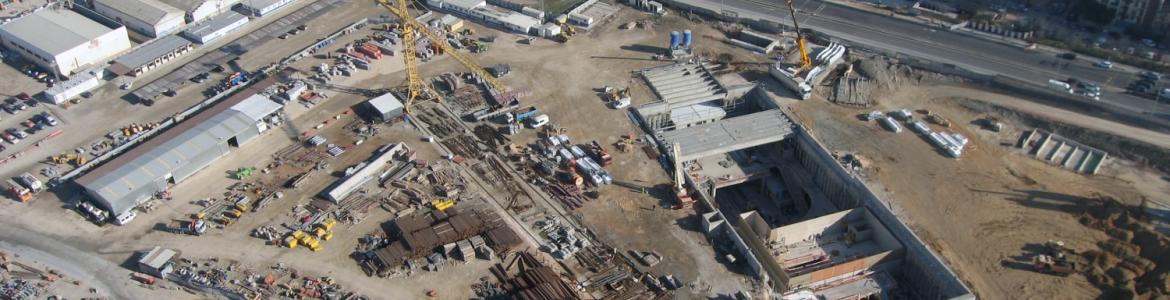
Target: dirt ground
[981,211]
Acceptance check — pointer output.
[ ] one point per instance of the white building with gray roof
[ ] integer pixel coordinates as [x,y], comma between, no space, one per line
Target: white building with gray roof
[149,17]
[178,153]
[63,40]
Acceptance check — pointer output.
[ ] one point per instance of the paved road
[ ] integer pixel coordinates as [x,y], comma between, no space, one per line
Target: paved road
[938,44]
[75,263]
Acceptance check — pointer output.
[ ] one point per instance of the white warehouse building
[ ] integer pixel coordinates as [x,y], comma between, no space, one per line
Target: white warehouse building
[149,17]
[215,28]
[198,11]
[261,8]
[63,40]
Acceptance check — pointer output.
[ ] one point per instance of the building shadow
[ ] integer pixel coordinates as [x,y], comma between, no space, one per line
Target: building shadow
[1053,201]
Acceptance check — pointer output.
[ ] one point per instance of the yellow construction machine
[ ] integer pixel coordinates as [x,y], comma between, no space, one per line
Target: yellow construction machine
[805,62]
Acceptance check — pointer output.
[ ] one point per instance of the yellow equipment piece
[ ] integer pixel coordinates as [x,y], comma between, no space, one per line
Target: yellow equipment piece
[442,205]
[328,224]
[319,232]
[310,242]
[327,236]
[298,234]
[235,213]
[290,242]
[414,80]
[805,62]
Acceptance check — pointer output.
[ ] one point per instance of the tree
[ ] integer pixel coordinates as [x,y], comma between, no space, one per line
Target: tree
[1093,12]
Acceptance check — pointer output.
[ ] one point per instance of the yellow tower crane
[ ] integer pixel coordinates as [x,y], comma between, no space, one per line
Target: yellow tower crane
[805,62]
[415,84]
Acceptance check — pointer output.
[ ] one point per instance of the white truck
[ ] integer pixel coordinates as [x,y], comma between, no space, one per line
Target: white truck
[1060,86]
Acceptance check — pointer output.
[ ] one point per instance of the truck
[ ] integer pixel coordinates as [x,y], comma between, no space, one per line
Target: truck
[31,182]
[1060,86]
[522,114]
[192,227]
[1049,264]
[19,191]
[600,154]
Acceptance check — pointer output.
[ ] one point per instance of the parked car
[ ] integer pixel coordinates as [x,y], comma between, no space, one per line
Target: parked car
[16,132]
[9,108]
[9,137]
[1149,75]
[48,118]
[1104,64]
[1068,56]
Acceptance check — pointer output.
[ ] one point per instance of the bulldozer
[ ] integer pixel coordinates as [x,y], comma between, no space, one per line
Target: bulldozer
[567,32]
[69,158]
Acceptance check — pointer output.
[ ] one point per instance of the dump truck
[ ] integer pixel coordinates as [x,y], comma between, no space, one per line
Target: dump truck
[18,191]
[522,114]
[143,278]
[1049,264]
[192,227]
[600,154]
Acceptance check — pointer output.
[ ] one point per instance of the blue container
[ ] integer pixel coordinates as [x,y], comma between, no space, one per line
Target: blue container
[673,39]
[687,38]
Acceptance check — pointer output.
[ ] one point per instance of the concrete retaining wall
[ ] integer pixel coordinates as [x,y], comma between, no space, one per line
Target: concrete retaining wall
[924,274]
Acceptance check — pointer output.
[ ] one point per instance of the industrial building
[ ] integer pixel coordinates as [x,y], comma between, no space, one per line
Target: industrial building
[384,108]
[63,41]
[793,214]
[178,153]
[479,10]
[148,17]
[262,8]
[365,172]
[214,28]
[151,55]
[208,8]
[75,86]
[158,261]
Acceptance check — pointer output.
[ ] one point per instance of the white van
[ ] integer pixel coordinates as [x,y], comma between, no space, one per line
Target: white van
[122,219]
[538,121]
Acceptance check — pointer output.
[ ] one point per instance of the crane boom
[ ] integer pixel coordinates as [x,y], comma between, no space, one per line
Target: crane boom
[805,62]
[414,80]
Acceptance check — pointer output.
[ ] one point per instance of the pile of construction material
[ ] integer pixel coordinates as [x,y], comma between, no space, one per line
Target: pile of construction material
[456,233]
[532,280]
[564,240]
[232,280]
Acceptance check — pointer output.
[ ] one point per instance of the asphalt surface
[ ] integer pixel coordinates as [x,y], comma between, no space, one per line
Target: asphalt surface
[938,44]
[78,264]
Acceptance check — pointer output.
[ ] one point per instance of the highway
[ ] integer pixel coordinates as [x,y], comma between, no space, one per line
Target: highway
[938,44]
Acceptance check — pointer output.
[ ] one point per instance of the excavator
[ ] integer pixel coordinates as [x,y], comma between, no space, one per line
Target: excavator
[410,27]
[805,62]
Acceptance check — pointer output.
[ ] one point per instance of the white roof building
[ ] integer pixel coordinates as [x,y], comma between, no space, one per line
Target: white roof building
[63,40]
[149,17]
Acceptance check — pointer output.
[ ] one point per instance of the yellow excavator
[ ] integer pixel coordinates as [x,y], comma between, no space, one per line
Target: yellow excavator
[415,86]
[805,62]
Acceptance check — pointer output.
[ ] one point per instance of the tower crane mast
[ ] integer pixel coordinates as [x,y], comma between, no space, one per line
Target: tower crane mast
[415,84]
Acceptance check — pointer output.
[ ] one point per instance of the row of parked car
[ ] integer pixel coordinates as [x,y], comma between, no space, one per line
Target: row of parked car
[18,103]
[38,122]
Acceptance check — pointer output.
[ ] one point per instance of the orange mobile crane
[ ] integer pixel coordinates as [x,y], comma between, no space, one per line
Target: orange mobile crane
[805,62]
